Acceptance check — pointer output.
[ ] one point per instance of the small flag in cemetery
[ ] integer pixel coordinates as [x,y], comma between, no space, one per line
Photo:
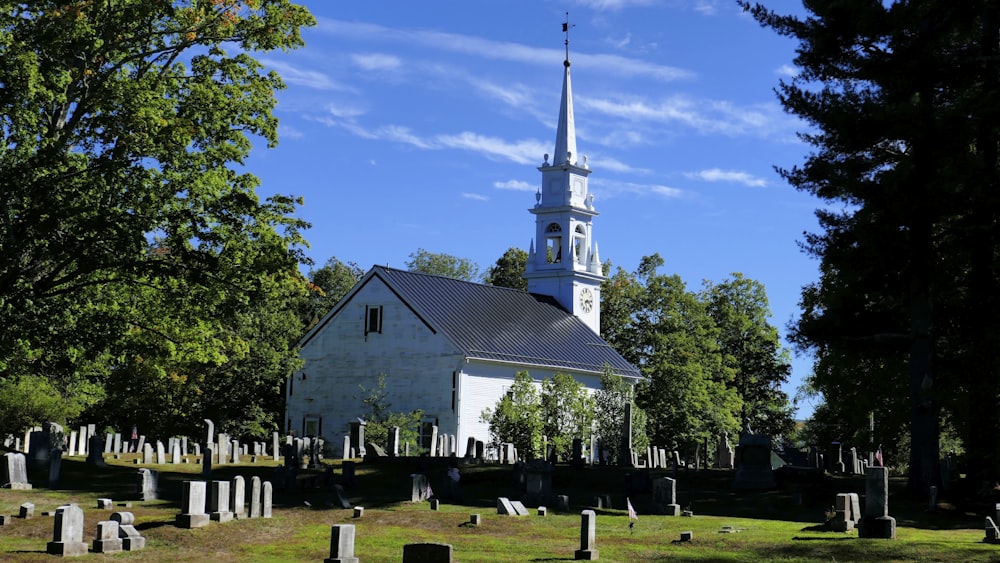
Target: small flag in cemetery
[631,511]
[878,456]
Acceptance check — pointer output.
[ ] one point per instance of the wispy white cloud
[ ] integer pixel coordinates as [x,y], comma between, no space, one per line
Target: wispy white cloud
[517,185]
[289,132]
[620,43]
[612,188]
[706,7]
[303,77]
[787,70]
[376,61]
[613,5]
[499,50]
[474,197]
[614,165]
[343,111]
[704,116]
[718,175]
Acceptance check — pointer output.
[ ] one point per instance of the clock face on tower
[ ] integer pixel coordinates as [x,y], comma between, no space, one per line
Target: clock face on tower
[586,299]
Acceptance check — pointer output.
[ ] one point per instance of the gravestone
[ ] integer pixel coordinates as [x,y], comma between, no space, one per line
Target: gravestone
[843,520]
[427,553]
[577,460]
[161,454]
[175,453]
[992,533]
[67,536]
[665,497]
[82,441]
[192,505]
[519,508]
[55,466]
[393,445]
[834,459]
[234,456]
[132,540]
[434,441]
[94,456]
[107,540]
[480,450]
[222,448]
[14,472]
[420,488]
[470,447]
[39,446]
[877,523]
[218,502]
[237,497]
[347,448]
[753,463]
[358,437]
[206,461]
[724,453]
[210,435]
[505,508]
[147,484]
[342,501]
[588,537]
[538,481]
[255,504]
[347,470]
[104,503]
[26,511]
[265,499]
[184,445]
[147,454]
[275,451]
[342,544]
[71,451]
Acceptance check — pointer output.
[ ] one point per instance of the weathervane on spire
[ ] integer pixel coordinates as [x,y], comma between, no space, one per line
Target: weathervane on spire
[566,26]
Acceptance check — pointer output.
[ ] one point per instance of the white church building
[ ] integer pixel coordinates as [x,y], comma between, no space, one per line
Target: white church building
[450,348]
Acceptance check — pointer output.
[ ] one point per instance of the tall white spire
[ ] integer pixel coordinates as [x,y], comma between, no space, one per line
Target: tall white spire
[566,130]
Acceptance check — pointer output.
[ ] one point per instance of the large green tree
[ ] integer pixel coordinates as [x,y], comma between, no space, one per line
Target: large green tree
[664,330]
[901,100]
[752,348]
[328,284]
[516,418]
[609,416]
[508,271]
[567,411]
[442,264]
[123,129]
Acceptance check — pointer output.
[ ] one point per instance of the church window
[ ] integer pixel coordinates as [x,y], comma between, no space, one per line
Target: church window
[579,249]
[553,243]
[373,319]
[310,426]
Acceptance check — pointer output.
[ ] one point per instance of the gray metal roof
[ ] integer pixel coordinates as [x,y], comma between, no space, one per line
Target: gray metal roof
[505,325]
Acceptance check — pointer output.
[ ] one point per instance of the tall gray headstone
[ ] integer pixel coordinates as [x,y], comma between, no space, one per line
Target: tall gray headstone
[14,472]
[206,460]
[94,455]
[255,500]
[218,502]
[266,493]
[161,454]
[588,537]
[147,454]
[342,544]
[118,443]
[434,441]
[625,451]
[238,497]
[107,540]
[67,535]
[83,440]
[71,451]
[147,484]
[275,446]
[55,467]
[877,523]
[193,513]
[394,441]
[210,436]
[665,497]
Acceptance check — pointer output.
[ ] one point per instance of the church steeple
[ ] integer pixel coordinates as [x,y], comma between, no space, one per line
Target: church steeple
[563,260]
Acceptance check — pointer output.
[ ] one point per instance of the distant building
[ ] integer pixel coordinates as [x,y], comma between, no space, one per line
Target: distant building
[451,348]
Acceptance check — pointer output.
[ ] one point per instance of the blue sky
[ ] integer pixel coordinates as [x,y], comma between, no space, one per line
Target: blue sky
[412,125]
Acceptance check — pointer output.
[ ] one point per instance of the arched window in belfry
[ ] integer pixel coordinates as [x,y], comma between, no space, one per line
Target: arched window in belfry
[553,243]
[580,244]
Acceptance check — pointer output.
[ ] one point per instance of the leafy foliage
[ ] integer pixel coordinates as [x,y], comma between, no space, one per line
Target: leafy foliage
[441,264]
[380,418]
[508,271]
[609,415]
[328,285]
[516,418]
[133,248]
[567,412]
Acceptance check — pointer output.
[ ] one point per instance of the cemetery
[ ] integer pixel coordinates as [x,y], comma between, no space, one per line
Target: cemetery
[392,507]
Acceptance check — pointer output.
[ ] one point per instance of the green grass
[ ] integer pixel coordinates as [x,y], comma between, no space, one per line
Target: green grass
[779,525]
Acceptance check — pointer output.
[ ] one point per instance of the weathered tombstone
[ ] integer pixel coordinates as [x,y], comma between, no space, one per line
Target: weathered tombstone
[435,504]
[15,472]
[753,463]
[475,519]
[39,448]
[147,454]
[855,508]
[141,443]
[505,508]
[852,460]
[222,448]
[104,503]
[94,456]
[206,461]
[210,436]
[147,484]
[877,523]
[470,447]
[275,451]
[992,533]
[359,511]
[420,488]
[197,449]
[218,502]
[118,443]
[347,448]
[665,497]
[107,540]
[255,502]
[342,544]
[834,458]
[434,441]
[238,497]
[588,537]
[624,457]
[26,511]
[480,450]
[55,466]
[724,453]
[358,437]
[82,441]
[71,451]
[519,508]
[175,453]
[161,454]
[192,505]
[184,445]
[393,445]
[132,540]
[67,536]
[843,520]
[427,553]
[265,499]
[538,481]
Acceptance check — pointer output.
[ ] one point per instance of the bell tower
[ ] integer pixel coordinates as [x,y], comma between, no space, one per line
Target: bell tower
[563,261]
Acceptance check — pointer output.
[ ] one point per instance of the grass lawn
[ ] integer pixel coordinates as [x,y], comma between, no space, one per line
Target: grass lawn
[781,525]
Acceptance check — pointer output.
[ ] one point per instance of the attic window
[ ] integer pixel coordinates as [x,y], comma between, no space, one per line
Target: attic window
[373,319]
